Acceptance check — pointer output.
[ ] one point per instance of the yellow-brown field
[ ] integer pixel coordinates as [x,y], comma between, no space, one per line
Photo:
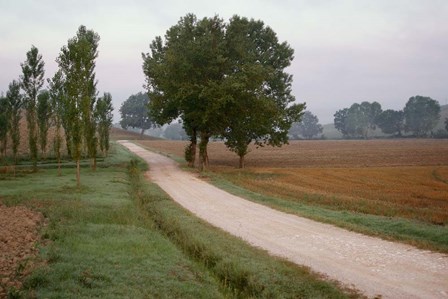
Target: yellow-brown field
[397,178]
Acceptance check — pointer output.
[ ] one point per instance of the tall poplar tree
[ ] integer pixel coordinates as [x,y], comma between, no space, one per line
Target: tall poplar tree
[32,79]
[103,115]
[57,98]
[77,63]
[43,119]
[15,100]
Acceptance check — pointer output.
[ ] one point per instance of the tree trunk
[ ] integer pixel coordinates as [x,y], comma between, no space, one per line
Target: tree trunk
[203,155]
[193,144]
[241,165]
[142,132]
[59,166]
[78,173]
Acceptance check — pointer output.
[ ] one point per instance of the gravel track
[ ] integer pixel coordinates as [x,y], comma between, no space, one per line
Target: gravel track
[374,266]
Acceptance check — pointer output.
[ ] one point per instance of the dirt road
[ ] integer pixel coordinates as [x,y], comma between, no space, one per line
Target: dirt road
[374,266]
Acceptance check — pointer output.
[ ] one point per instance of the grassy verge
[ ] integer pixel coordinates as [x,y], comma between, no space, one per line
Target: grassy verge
[98,243]
[420,234]
[244,271]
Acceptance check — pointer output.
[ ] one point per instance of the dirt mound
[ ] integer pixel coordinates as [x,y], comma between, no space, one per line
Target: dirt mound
[18,236]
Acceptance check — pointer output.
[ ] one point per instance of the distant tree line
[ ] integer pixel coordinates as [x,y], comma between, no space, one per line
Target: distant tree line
[224,80]
[419,117]
[70,105]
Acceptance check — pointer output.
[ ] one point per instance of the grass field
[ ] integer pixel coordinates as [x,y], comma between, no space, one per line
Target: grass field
[403,183]
[121,237]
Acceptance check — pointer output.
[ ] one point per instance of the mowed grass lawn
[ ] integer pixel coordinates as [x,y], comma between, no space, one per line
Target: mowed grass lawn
[119,236]
[397,189]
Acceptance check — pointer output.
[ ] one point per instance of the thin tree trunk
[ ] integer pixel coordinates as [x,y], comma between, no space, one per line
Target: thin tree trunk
[203,155]
[78,173]
[193,146]
[142,132]
[241,164]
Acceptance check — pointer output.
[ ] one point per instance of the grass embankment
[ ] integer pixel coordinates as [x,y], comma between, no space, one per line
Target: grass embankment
[120,237]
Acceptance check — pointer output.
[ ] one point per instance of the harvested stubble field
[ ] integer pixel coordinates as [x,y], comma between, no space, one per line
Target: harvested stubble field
[394,178]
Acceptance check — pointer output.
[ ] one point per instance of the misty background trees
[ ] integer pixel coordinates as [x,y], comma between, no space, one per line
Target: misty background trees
[419,118]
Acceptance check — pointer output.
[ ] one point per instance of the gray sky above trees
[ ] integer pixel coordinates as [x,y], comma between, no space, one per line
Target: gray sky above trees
[345,51]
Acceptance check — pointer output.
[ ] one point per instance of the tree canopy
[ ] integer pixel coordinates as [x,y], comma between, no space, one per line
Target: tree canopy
[421,115]
[135,114]
[358,120]
[222,79]
[32,80]
[308,127]
[77,63]
[391,122]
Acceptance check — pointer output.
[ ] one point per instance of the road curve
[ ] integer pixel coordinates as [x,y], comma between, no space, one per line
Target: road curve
[371,265]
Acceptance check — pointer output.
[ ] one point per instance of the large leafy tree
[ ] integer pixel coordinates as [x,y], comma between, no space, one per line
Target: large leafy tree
[421,115]
[15,100]
[308,127]
[391,122]
[103,114]
[182,74]
[77,63]
[134,113]
[57,103]
[32,79]
[255,89]
[43,119]
[222,79]
[340,118]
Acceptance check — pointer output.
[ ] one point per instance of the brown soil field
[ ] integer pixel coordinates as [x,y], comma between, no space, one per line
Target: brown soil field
[18,236]
[397,178]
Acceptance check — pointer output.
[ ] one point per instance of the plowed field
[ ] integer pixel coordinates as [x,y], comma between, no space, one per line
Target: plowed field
[402,178]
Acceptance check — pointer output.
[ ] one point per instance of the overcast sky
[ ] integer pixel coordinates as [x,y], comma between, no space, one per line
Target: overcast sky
[346,51]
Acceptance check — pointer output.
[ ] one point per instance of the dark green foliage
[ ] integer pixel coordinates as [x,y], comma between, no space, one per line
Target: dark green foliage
[103,115]
[223,80]
[339,121]
[308,127]
[32,79]
[391,122]
[43,118]
[134,112]
[421,115]
[15,100]
[446,124]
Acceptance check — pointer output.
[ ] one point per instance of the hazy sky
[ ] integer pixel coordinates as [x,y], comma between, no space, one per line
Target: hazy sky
[345,51]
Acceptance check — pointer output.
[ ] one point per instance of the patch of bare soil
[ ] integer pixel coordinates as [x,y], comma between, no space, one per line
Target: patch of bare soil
[18,236]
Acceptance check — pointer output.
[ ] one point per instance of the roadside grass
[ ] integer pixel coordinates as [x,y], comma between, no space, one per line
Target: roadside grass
[417,233]
[97,242]
[245,271]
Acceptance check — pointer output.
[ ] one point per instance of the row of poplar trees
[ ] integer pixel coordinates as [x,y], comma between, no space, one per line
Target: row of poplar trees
[70,104]
[224,80]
